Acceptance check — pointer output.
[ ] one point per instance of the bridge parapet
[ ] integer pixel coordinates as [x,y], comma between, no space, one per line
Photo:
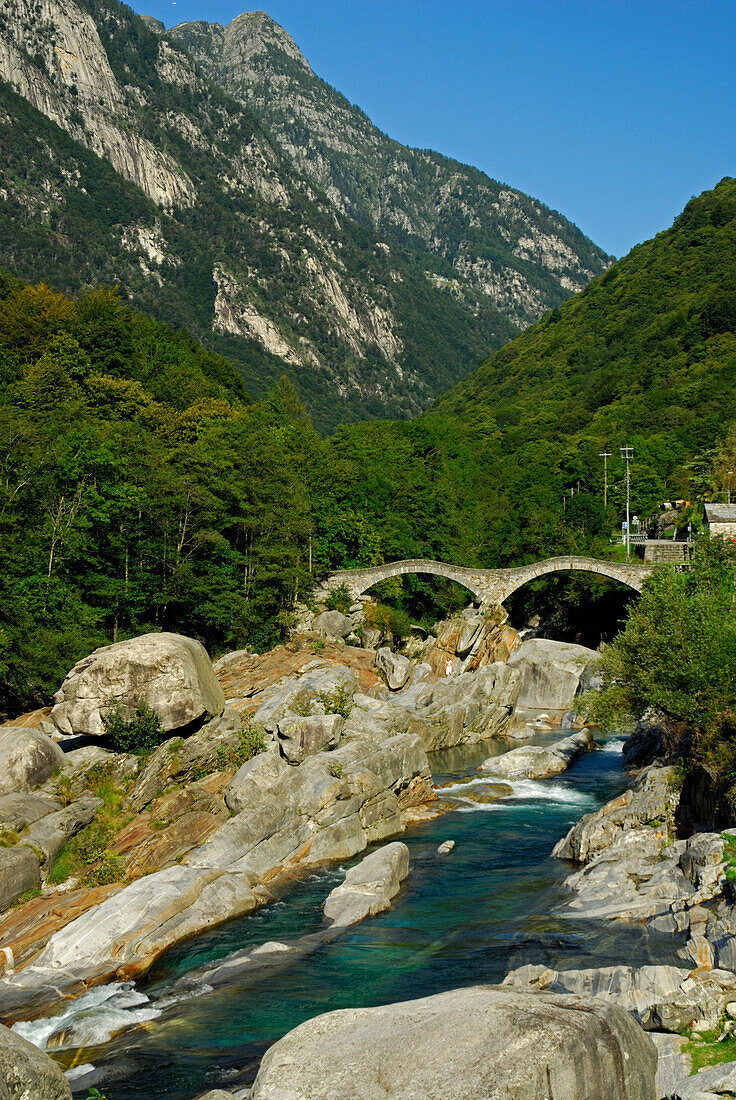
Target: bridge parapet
[487,585]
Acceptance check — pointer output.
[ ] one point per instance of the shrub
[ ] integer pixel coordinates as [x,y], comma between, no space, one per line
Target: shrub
[108,867]
[677,653]
[139,733]
[340,599]
[337,701]
[389,620]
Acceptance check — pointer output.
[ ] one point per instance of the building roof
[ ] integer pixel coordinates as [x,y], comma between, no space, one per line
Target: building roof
[720,513]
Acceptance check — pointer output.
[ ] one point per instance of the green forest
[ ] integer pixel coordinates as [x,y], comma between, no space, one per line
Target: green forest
[142,488]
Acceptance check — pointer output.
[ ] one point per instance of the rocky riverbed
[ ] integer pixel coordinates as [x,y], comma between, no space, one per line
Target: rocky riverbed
[207,830]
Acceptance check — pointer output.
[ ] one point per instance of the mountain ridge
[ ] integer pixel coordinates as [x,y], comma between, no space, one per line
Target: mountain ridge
[299,109]
[206,223]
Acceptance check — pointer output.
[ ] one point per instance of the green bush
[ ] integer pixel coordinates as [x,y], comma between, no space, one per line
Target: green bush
[390,620]
[337,701]
[139,733]
[340,599]
[677,653]
[108,867]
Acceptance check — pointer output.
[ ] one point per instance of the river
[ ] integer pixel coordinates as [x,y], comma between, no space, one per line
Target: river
[490,905]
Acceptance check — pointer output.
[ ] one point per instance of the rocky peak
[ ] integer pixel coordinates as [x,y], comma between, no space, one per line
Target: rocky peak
[241,51]
[487,245]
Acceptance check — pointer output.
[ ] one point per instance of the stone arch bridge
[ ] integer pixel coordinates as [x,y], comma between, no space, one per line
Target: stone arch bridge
[487,585]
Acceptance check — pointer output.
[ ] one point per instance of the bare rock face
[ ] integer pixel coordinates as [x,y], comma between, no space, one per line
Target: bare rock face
[551,673]
[180,759]
[300,737]
[654,797]
[27,758]
[330,807]
[461,1045]
[395,667]
[170,672]
[26,1073]
[472,640]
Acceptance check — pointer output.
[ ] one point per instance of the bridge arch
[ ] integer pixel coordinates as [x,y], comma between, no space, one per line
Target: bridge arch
[487,585]
[631,574]
[360,580]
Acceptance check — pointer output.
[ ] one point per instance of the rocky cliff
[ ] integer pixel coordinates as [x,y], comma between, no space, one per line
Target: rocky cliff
[124,162]
[478,239]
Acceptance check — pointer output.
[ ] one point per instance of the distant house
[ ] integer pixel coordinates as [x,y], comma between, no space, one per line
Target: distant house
[720,519]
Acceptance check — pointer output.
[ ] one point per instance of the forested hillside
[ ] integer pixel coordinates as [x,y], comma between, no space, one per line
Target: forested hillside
[123,163]
[142,489]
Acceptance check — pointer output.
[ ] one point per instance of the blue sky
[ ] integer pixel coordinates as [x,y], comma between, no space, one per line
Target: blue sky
[614,112]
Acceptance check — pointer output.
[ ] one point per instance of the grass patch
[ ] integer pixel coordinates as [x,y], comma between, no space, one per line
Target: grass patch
[87,855]
[34,892]
[64,789]
[251,742]
[8,838]
[705,1050]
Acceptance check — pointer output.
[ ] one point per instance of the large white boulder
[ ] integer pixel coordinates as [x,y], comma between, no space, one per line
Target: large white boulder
[395,668]
[370,886]
[26,1073]
[551,673]
[536,762]
[171,673]
[333,624]
[463,1045]
[27,758]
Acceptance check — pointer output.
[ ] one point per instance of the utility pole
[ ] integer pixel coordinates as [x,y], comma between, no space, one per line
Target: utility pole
[628,454]
[730,475]
[605,455]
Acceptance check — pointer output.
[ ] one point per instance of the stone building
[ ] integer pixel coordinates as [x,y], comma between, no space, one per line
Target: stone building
[720,519]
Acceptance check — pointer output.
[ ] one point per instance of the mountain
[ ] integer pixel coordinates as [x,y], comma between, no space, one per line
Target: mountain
[477,238]
[644,356]
[646,352]
[124,163]
[142,490]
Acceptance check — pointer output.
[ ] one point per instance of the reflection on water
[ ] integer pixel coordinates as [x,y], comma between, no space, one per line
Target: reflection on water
[461,919]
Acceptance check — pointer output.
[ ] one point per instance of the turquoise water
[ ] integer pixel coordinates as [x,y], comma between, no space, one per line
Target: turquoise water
[461,919]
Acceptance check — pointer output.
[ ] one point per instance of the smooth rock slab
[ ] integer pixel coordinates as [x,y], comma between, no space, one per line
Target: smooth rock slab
[19,810]
[19,873]
[535,762]
[551,672]
[127,932]
[712,1082]
[395,668]
[481,1043]
[369,886]
[634,989]
[170,672]
[27,758]
[26,1073]
[300,737]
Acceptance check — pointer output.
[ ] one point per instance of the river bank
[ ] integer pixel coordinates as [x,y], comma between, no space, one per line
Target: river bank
[506,891]
[345,762]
